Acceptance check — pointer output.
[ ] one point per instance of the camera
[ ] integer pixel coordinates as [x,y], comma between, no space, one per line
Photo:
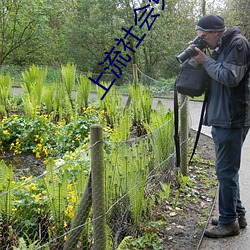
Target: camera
[190,51]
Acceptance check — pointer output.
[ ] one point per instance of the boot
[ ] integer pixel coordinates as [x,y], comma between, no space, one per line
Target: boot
[241,219]
[221,231]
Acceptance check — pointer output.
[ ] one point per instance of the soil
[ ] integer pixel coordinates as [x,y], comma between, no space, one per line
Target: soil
[25,164]
[188,221]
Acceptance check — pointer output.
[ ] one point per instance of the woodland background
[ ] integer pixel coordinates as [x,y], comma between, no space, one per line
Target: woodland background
[55,32]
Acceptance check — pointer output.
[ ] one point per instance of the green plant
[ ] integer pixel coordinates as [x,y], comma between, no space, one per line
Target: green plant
[127,160]
[62,104]
[44,137]
[65,181]
[121,131]
[48,98]
[83,92]
[176,199]
[33,85]
[161,126]
[30,208]
[147,241]
[184,181]
[164,191]
[5,90]
[28,245]
[141,104]
[56,187]
[111,104]
[146,102]
[126,172]
[23,134]
[6,196]
[68,74]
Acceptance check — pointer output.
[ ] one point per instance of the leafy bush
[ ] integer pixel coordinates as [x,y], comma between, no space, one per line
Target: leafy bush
[44,138]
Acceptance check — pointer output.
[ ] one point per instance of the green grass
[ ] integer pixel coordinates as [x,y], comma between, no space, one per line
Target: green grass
[161,88]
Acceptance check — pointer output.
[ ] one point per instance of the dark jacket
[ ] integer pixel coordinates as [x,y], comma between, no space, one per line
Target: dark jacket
[228,103]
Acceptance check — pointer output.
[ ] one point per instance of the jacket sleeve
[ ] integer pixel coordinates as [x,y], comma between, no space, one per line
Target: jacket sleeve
[230,70]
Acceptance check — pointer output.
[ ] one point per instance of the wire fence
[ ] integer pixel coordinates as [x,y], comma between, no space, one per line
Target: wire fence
[42,209]
[55,210]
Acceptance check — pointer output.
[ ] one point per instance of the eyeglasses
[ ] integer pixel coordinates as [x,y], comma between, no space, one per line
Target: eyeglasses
[203,36]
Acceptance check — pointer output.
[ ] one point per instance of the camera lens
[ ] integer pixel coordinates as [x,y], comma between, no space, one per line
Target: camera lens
[190,50]
[187,53]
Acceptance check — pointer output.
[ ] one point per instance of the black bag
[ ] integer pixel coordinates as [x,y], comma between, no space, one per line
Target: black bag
[192,80]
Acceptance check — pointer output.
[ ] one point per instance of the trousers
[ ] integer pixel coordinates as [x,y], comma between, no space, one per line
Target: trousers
[228,146]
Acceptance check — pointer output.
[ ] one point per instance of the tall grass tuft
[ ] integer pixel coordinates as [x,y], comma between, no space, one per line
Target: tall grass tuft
[126,172]
[6,184]
[48,98]
[5,89]
[112,105]
[161,128]
[68,74]
[56,183]
[33,86]
[141,106]
[83,92]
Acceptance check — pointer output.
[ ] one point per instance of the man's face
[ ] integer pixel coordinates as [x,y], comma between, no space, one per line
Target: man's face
[211,38]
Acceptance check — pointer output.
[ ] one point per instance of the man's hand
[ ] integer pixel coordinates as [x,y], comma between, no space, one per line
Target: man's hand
[200,58]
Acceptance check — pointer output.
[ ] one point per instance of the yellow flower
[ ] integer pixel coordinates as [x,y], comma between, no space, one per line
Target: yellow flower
[14,209]
[17,152]
[31,187]
[38,156]
[37,196]
[73,199]
[45,151]
[69,211]
[6,132]
[102,112]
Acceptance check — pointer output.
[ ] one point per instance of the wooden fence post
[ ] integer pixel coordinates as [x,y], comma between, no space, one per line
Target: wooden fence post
[135,74]
[80,218]
[98,194]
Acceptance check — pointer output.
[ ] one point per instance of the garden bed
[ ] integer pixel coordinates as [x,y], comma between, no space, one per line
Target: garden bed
[179,221]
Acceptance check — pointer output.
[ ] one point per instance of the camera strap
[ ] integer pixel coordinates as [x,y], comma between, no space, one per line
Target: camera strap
[199,127]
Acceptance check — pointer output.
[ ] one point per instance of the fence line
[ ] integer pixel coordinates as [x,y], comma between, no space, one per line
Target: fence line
[124,208]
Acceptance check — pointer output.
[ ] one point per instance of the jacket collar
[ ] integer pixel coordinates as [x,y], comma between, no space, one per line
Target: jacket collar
[231,32]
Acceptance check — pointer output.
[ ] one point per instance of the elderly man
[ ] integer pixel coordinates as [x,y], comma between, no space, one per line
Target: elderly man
[228,112]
